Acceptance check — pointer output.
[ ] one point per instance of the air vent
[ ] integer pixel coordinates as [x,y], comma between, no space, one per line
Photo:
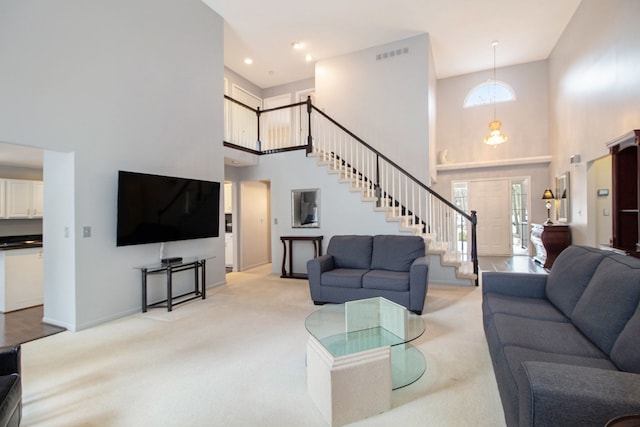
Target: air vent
[392,53]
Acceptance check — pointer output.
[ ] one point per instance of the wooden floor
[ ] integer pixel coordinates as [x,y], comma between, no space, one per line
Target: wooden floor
[18,327]
[25,325]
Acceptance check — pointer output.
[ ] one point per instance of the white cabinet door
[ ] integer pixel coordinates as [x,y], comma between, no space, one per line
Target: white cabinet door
[3,199]
[21,279]
[38,199]
[19,198]
[24,198]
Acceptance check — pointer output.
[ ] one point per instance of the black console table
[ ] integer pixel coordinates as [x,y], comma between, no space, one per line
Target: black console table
[317,251]
[168,269]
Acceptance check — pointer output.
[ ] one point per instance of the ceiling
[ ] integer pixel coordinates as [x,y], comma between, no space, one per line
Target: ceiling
[461,32]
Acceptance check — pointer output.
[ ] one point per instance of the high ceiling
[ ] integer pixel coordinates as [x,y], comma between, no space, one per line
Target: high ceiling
[461,32]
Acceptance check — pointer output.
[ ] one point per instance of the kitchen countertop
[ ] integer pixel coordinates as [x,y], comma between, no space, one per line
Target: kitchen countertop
[20,242]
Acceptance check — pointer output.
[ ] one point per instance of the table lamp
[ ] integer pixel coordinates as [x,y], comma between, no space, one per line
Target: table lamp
[547,196]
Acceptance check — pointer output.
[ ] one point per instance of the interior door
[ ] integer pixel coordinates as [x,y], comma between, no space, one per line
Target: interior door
[491,199]
[255,228]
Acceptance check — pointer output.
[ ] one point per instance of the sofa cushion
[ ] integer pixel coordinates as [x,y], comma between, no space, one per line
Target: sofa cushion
[343,277]
[534,308]
[515,356]
[609,300]
[396,253]
[626,352]
[542,335]
[389,280]
[570,275]
[351,251]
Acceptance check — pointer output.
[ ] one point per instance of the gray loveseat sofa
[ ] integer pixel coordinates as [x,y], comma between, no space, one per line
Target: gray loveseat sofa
[355,267]
[565,347]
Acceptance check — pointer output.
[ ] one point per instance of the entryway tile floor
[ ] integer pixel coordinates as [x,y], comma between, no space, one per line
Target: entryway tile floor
[516,264]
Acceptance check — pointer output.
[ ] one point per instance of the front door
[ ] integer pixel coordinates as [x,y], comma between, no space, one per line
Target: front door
[491,200]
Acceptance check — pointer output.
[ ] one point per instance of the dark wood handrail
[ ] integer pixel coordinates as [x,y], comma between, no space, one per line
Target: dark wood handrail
[395,165]
[472,217]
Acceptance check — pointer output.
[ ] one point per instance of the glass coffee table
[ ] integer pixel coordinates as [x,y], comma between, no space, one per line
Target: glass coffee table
[362,325]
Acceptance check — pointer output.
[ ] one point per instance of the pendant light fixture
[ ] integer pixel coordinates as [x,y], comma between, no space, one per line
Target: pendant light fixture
[495,136]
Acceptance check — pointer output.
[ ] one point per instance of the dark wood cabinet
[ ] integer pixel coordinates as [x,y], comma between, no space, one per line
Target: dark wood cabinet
[625,192]
[549,241]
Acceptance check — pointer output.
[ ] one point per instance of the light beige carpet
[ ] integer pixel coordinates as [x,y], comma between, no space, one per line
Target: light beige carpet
[238,359]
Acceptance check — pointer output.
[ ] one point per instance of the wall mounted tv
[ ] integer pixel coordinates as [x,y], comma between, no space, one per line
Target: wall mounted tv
[154,208]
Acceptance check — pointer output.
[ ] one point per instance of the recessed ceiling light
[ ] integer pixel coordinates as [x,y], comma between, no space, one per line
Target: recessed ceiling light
[248,61]
[296,45]
[309,58]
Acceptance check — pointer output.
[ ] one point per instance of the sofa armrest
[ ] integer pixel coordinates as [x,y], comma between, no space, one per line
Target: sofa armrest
[320,264]
[556,394]
[315,268]
[10,360]
[526,285]
[418,283]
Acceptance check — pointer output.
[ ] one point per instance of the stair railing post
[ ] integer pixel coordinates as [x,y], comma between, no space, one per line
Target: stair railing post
[309,138]
[377,188]
[474,244]
[258,142]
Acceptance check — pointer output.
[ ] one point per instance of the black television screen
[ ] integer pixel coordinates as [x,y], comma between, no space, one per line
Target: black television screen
[154,208]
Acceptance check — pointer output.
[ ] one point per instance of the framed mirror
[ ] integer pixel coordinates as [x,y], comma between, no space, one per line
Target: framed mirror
[562,197]
[305,208]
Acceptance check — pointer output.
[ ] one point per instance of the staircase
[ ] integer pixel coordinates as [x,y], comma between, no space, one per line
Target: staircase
[448,231]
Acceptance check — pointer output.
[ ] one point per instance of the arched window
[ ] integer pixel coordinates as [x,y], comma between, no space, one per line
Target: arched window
[483,94]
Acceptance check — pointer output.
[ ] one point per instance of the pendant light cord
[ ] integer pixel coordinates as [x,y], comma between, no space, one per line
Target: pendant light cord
[495,43]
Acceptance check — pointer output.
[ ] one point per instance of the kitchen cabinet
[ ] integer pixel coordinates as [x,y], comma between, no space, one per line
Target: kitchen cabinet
[3,199]
[228,207]
[24,198]
[21,279]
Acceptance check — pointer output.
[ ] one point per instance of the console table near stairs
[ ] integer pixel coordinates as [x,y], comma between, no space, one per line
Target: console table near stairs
[317,251]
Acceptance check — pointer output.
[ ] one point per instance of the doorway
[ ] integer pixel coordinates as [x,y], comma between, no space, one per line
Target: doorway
[254,225]
[502,206]
[229,253]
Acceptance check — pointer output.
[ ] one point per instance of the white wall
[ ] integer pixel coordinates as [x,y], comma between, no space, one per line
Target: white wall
[132,86]
[384,102]
[341,211]
[594,87]
[461,131]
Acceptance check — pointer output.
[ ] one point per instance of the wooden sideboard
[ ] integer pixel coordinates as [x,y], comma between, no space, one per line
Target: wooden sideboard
[548,241]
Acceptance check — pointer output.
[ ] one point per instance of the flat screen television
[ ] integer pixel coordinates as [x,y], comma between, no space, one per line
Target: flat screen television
[155,208]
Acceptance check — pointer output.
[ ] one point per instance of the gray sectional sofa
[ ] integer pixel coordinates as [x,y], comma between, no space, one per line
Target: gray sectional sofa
[565,347]
[355,267]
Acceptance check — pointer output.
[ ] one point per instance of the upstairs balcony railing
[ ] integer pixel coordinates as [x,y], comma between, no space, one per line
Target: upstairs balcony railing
[447,229]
